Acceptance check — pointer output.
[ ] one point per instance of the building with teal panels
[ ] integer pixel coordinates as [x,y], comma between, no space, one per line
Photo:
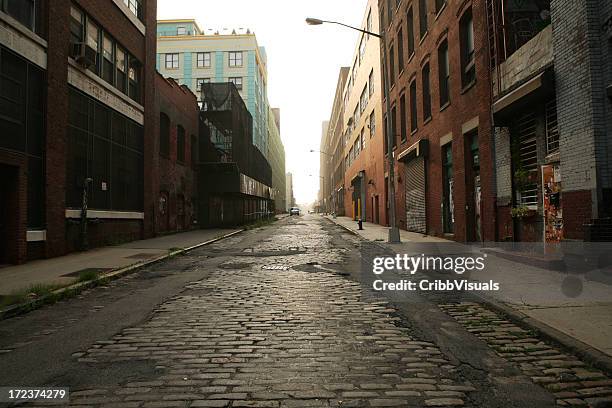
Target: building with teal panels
[193,56]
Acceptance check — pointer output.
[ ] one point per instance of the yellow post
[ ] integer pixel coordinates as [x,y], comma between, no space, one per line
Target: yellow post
[359,208]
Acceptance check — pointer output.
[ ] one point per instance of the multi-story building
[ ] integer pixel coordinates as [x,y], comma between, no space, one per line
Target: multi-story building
[364,176]
[77,99]
[551,85]
[289,191]
[276,158]
[175,158]
[438,70]
[324,195]
[333,148]
[193,57]
[234,177]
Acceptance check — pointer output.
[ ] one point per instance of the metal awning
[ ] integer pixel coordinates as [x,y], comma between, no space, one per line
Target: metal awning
[418,149]
[519,93]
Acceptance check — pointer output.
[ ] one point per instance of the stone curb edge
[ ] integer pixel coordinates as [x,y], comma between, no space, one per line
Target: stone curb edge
[26,307]
[358,235]
[588,353]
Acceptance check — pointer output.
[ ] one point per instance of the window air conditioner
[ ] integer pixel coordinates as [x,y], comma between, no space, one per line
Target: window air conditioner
[83,54]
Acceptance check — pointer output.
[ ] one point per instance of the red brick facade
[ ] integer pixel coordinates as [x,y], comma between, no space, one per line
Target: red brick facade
[61,233]
[467,112]
[172,179]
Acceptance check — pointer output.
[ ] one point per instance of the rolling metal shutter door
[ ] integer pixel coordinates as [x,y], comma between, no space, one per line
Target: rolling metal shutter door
[414,179]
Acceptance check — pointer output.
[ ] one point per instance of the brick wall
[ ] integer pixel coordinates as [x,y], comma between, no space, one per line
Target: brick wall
[467,105]
[174,179]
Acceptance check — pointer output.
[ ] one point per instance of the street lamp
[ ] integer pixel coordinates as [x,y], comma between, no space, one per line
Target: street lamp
[394,235]
[319,151]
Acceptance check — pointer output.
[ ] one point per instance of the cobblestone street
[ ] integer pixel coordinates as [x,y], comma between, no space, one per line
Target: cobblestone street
[273,317]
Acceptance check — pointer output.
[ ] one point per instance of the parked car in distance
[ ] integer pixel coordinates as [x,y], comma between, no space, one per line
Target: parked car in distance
[294,211]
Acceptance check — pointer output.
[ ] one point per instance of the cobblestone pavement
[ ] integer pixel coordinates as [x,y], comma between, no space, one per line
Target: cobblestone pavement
[571,381]
[275,317]
[260,332]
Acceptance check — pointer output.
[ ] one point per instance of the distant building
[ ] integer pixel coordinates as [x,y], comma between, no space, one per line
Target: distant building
[289,191]
[324,196]
[234,177]
[365,194]
[76,104]
[334,147]
[193,57]
[276,158]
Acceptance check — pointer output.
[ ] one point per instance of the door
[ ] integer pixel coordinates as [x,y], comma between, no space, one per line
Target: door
[377,209]
[414,180]
[9,209]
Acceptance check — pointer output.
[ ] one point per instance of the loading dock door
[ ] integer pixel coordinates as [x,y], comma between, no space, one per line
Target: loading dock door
[414,180]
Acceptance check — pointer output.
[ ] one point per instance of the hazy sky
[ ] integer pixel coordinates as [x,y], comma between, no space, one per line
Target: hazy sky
[303,64]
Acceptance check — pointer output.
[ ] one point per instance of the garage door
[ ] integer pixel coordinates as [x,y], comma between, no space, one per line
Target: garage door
[414,176]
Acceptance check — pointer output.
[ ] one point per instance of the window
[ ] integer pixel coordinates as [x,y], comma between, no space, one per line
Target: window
[403,117]
[394,126]
[410,21]
[134,79]
[371,83]
[390,12]
[362,49]
[355,116]
[120,62]
[448,207]
[413,107]
[180,144]
[372,123]
[552,129]
[386,134]
[362,138]
[164,135]
[92,40]
[107,147]
[181,31]
[235,58]
[77,25]
[400,50]
[172,61]
[236,81]
[439,5]
[444,73]
[21,10]
[426,92]
[203,59]
[363,100]
[135,7]
[468,66]
[423,17]
[108,59]
[201,81]
[391,66]
[369,23]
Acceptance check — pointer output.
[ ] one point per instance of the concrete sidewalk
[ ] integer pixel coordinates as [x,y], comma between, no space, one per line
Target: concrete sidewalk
[65,270]
[577,305]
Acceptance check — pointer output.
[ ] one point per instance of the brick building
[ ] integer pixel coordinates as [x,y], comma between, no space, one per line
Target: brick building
[77,100]
[333,148]
[364,178]
[551,64]
[173,175]
[438,65]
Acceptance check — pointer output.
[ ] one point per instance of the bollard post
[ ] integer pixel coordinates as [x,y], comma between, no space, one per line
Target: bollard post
[360,223]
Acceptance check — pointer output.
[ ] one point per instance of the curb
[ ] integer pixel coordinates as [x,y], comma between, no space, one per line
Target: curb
[582,350]
[22,308]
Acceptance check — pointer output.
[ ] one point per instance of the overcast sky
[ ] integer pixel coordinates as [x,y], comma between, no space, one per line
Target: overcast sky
[303,64]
